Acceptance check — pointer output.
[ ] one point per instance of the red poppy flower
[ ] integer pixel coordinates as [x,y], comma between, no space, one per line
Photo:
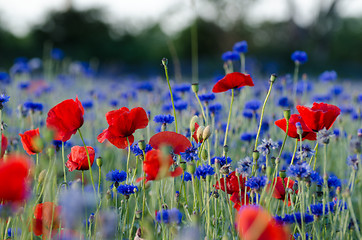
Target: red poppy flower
[157,165]
[77,159]
[122,124]
[178,142]
[319,116]
[232,80]
[4,145]
[194,136]
[292,131]
[232,183]
[28,140]
[46,219]
[239,199]
[279,190]
[255,223]
[14,179]
[65,118]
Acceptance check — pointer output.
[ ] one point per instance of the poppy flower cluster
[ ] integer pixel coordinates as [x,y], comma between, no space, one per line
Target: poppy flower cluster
[28,139]
[46,220]
[122,124]
[78,160]
[279,191]
[65,119]
[311,120]
[232,81]
[178,142]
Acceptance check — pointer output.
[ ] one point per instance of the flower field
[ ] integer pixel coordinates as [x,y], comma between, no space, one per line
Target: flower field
[235,157]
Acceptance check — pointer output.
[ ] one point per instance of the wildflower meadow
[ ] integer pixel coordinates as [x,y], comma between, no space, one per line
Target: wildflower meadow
[241,156]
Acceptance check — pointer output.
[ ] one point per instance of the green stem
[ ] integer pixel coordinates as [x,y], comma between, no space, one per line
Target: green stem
[202,108]
[242,61]
[65,174]
[262,114]
[295,80]
[285,139]
[99,179]
[89,162]
[172,101]
[230,110]
[128,157]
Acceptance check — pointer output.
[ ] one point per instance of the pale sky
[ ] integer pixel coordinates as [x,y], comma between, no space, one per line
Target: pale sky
[19,15]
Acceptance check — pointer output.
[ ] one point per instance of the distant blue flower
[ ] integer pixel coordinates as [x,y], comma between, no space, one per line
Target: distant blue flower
[247,136]
[317,209]
[353,162]
[306,152]
[245,166]
[253,105]
[164,119]
[4,98]
[249,114]
[183,87]
[215,108]
[87,104]
[175,96]
[316,177]
[266,146]
[256,183]
[285,102]
[297,236]
[186,177]
[299,170]
[203,171]
[57,54]
[145,86]
[4,78]
[167,107]
[113,103]
[297,218]
[222,161]
[23,85]
[19,68]
[241,47]
[304,86]
[322,98]
[336,90]
[230,56]
[299,57]
[180,105]
[334,181]
[33,106]
[137,151]
[169,216]
[191,153]
[127,189]
[207,97]
[328,76]
[336,132]
[116,176]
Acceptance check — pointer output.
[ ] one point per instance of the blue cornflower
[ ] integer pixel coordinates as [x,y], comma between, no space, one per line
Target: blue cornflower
[191,153]
[33,106]
[175,96]
[180,105]
[299,170]
[317,209]
[285,102]
[322,98]
[315,177]
[116,176]
[306,152]
[4,78]
[183,87]
[245,166]
[230,56]
[241,47]
[204,170]
[164,119]
[215,108]
[127,189]
[297,236]
[113,103]
[145,86]
[328,76]
[222,160]
[247,137]
[186,177]
[297,217]
[336,90]
[167,107]
[249,114]
[57,54]
[137,151]
[334,181]
[207,97]
[304,86]
[299,57]
[4,98]
[23,85]
[256,183]
[353,162]
[169,216]
[266,146]
[87,104]
[253,105]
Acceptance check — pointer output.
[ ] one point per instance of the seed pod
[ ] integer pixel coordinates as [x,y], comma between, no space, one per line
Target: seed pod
[193,120]
[207,132]
[199,133]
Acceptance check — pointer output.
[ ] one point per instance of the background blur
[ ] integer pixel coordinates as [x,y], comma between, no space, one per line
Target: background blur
[132,36]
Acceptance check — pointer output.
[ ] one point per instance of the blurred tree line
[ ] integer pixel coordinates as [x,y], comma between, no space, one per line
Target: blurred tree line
[331,43]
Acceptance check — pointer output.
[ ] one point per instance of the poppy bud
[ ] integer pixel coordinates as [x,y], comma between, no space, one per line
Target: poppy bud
[191,167]
[286,114]
[108,194]
[142,145]
[273,77]
[48,135]
[225,169]
[194,120]
[277,160]
[91,218]
[298,125]
[164,62]
[199,132]
[207,132]
[215,194]
[41,176]
[38,142]
[226,149]
[295,186]
[204,154]
[255,155]
[99,162]
[195,87]
[51,151]
[138,214]
[183,165]
[163,127]
[269,171]
[346,193]
[282,174]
